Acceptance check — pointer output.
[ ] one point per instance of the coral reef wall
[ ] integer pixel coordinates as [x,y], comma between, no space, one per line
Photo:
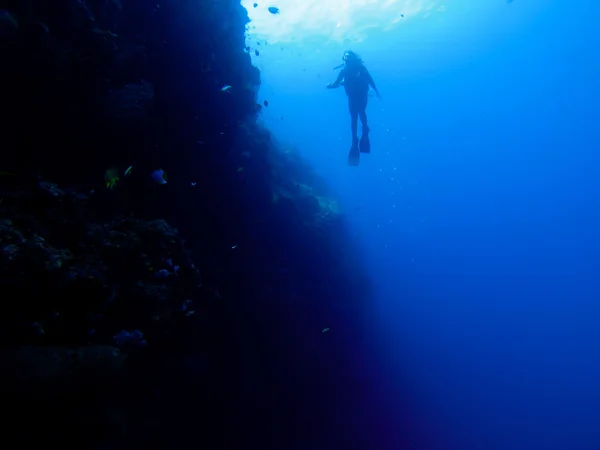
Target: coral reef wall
[139,312]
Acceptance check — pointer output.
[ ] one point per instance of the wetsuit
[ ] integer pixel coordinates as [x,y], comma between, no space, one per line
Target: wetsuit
[356,80]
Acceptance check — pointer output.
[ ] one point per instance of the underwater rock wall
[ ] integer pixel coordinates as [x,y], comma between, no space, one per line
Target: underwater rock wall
[139,312]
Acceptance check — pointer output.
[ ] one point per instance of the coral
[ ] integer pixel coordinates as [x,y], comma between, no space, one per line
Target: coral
[130,104]
[53,363]
[84,279]
[293,180]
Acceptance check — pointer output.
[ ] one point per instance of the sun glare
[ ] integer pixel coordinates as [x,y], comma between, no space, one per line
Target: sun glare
[331,20]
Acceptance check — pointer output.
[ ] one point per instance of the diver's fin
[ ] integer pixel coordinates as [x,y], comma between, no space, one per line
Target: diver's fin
[354,155]
[365,144]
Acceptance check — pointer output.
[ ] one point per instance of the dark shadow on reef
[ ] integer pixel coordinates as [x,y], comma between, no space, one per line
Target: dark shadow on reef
[117,332]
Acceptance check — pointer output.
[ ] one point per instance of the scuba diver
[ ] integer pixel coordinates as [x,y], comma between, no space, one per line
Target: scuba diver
[356,80]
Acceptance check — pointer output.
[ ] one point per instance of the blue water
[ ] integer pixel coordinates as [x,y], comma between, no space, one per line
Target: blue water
[477,210]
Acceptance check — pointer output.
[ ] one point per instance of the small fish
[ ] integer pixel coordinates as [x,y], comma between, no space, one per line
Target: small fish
[128,171]
[273,10]
[256,52]
[162,274]
[255,5]
[266,102]
[133,338]
[193,183]
[111,177]
[225,88]
[240,169]
[159,176]
[325,330]
[233,247]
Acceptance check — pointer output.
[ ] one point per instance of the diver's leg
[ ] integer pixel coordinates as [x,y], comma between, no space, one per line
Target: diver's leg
[353,117]
[363,120]
[354,155]
[362,112]
[365,144]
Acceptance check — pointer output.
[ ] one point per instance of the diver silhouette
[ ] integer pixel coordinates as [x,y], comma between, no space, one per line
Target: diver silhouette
[356,80]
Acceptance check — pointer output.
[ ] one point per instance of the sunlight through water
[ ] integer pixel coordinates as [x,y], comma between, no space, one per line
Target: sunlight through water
[333,20]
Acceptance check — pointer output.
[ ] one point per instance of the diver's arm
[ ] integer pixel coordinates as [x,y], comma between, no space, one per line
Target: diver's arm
[372,84]
[337,83]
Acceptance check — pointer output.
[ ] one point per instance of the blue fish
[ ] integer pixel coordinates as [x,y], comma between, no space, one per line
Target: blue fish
[273,10]
[162,274]
[159,176]
[130,339]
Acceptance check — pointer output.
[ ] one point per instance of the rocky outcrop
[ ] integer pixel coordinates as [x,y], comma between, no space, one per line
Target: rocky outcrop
[138,333]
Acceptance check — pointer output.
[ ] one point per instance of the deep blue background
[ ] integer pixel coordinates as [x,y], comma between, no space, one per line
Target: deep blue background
[478,212]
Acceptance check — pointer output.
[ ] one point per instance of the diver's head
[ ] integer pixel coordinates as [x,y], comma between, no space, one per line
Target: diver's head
[351,58]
